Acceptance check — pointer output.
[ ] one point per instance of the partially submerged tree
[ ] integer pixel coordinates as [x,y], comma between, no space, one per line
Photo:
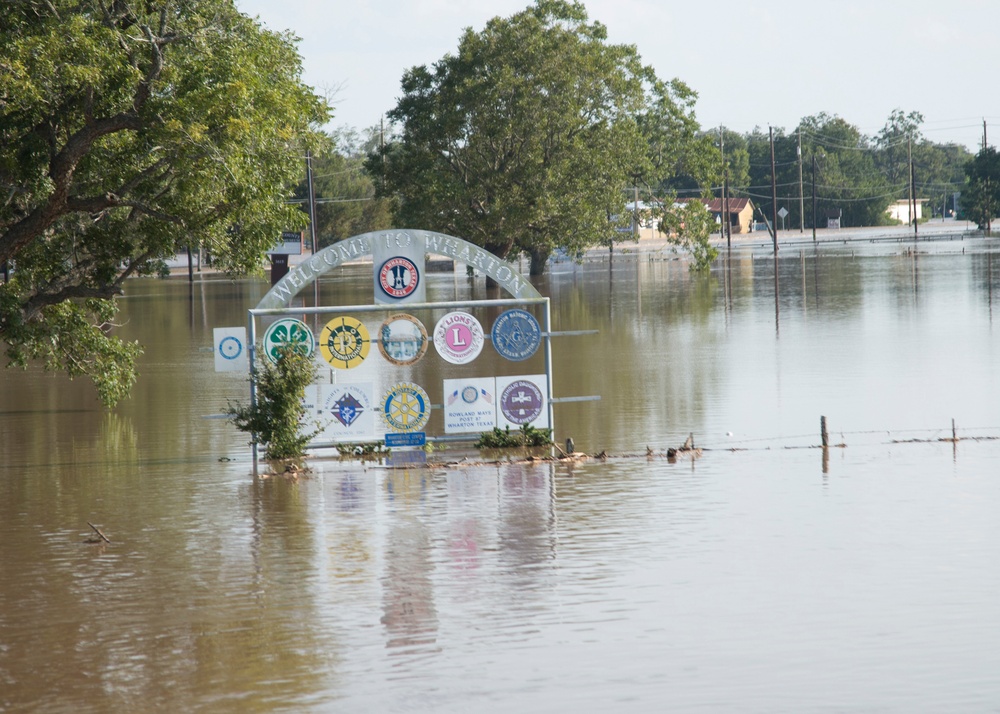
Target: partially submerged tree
[128,130]
[277,417]
[688,224]
[524,139]
[981,197]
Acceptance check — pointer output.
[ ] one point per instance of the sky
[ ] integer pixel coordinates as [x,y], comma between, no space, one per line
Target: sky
[753,63]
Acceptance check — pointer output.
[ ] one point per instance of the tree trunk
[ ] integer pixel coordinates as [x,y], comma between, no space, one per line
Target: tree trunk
[539,257]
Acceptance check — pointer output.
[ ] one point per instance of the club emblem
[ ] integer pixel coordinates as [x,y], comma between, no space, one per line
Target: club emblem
[406,407]
[288,332]
[347,409]
[344,342]
[521,402]
[516,335]
[458,337]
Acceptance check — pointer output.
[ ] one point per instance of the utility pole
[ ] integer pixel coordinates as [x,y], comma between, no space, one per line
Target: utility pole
[312,202]
[913,190]
[814,194]
[913,195]
[802,210]
[774,195]
[381,147]
[635,210]
[725,227]
[989,207]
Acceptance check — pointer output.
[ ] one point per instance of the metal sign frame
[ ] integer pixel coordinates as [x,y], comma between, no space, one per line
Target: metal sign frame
[254,313]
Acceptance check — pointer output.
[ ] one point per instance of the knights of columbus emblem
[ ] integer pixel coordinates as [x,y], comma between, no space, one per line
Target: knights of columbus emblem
[348,409]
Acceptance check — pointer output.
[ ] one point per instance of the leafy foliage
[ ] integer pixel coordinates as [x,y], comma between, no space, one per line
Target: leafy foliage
[277,416]
[857,175]
[365,450]
[524,138]
[981,199]
[527,435]
[128,130]
[346,204]
[689,225]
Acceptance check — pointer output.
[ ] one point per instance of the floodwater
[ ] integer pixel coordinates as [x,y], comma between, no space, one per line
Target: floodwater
[768,575]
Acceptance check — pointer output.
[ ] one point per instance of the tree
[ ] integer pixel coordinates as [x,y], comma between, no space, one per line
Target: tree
[128,130]
[895,144]
[981,197]
[525,138]
[847,177]
[938,169]
[278,416]
[346,204]
[689,225]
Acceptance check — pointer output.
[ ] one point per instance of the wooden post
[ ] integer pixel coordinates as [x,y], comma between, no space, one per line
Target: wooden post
[825,438]
[954,436]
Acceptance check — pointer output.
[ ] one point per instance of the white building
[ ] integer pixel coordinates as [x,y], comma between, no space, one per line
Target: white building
[900,210]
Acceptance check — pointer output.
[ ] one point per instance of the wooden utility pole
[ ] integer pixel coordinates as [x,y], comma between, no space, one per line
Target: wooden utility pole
[774,194]
[312,202]
[814,195]
[802,210]
[635,212]
[725,226]
[913,196]
[913,190]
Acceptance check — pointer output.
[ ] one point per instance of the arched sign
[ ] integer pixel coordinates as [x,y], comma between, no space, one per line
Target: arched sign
[397,276]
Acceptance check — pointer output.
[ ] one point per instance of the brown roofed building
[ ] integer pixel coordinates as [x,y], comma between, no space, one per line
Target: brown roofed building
[740,213]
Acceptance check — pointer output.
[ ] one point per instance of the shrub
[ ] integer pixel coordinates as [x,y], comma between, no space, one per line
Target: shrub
[276,419]
[504,438]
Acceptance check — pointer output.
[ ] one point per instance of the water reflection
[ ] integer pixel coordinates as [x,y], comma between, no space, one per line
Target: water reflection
[538,586]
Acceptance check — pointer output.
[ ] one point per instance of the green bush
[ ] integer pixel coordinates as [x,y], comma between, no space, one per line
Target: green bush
[504,438]
[276,419]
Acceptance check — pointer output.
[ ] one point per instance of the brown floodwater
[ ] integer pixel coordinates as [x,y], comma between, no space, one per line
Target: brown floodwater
[767,575]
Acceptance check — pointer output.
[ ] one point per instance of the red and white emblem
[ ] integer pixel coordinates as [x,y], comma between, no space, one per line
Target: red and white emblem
[398,277]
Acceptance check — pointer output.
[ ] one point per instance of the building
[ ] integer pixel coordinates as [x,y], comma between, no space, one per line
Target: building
[900,210]
[740,212]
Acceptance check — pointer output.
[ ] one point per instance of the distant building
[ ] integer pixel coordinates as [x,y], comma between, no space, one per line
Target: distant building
[900,210]
[740,212]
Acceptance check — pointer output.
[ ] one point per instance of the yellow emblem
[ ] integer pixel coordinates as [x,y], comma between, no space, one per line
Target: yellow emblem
[344,342]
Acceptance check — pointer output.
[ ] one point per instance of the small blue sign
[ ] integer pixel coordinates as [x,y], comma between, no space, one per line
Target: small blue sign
[410,438]
[516,335]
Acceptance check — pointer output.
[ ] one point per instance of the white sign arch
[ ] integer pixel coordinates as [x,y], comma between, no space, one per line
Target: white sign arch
[428,242]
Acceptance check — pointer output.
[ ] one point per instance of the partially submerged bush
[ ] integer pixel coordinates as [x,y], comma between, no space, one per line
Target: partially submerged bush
[504,438]
[276,419]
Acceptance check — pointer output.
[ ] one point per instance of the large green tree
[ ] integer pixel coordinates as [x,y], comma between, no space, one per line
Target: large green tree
[127,130]
[938,169]
[981,197]
[847,178]
[525,139]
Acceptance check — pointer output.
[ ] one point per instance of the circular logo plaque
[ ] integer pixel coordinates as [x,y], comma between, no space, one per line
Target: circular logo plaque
[516,335]
[230,347]
[458,337]
[287,332]
[402,339]
[521,402]
[398,277]
[406,407]
[344,342]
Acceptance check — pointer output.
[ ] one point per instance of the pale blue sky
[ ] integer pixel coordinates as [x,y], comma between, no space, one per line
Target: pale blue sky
[752,62]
